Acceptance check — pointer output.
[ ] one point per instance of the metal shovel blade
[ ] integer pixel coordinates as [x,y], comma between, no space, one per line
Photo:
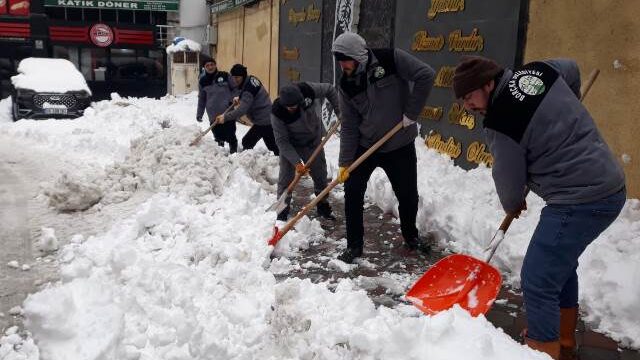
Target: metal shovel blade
[457,279]
[280,204]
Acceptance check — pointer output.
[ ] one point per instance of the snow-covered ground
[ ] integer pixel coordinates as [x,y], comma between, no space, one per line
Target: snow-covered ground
[184,272]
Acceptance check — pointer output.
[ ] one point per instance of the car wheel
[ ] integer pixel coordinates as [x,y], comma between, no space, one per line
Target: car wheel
[14,111]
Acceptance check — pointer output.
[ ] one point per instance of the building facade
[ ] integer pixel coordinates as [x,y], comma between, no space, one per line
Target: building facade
[117,45]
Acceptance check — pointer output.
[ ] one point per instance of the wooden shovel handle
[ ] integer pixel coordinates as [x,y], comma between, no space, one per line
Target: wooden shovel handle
[202,134]
[313,156]
[335,182]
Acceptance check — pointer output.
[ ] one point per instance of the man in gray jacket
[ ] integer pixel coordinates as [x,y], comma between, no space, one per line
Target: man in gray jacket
[215,95]
[254,102]
[376,94]
[296,118]
[542,138]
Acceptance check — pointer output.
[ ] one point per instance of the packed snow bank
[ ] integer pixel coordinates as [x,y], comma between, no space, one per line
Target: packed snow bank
[49,75]
[104,134]
[464,208]
[183,45]
[187,281]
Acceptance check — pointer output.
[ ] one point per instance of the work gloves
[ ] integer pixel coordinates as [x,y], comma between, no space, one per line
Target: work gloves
[343,174]
[301,168]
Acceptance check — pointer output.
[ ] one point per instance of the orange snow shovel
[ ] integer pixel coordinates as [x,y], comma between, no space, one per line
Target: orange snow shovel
[464,280]
[196,141]
[278,234]
[280,204]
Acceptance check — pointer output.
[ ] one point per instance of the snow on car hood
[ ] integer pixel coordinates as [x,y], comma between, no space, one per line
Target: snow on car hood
[49,75]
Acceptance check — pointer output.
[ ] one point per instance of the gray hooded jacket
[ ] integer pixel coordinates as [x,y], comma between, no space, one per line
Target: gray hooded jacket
[388,84]
[541,136]
[307,130]
[254,102]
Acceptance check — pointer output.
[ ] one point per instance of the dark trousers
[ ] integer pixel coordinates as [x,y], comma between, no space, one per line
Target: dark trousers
[401,169]
[549,278]
[226,132]
[258,132]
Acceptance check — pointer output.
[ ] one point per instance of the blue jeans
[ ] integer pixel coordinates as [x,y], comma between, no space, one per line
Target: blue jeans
[549,278]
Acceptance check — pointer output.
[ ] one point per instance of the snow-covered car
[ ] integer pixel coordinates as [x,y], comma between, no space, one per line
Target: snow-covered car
[46,88]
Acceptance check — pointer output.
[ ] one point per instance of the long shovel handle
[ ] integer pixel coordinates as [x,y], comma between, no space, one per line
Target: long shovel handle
[280,233]
[202,134]
[313,156]
[587,86]
[508,219]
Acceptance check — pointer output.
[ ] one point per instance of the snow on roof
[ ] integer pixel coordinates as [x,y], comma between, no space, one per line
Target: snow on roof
[184,45]
[49,75]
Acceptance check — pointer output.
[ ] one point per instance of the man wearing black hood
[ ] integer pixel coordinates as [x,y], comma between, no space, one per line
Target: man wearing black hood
[254,102]
[215,96]
[296,117]
[375,95]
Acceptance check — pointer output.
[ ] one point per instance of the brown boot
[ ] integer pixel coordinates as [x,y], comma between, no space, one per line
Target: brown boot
[551,348]
[568,323]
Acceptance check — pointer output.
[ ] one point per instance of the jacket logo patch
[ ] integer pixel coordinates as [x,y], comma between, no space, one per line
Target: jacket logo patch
[307,102]
[255,82]
[526,83]
[378,72]
[220,80]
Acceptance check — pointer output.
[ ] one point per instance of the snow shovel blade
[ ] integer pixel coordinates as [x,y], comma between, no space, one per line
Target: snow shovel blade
[457,279]
[279,205]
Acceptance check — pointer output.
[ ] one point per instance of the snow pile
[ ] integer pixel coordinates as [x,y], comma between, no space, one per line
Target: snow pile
[15,346]
[183,45]
[5,110]
[163,162]
[69,193]
[104,134]
[463,207]
[49,75]
[181,281]
[48,241]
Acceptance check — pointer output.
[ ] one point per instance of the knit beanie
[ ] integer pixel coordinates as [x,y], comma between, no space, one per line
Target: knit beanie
[204,58]
[290,95]
[472,73]
[239,70]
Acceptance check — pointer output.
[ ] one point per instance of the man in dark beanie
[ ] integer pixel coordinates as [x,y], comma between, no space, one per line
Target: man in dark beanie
[378,89]
[296,117]
[542,138]
[254,102]
[215,95]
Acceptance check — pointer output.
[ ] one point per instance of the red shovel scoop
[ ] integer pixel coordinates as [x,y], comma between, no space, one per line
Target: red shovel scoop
[460,279]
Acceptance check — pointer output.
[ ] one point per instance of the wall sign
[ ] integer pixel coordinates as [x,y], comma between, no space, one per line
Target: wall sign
[300,41]
[440,32]
[149,5]
[101,35]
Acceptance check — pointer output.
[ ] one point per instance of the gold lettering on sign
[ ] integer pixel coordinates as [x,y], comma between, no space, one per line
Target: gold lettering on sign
[440,6]
[297,17]
[431,113]
[473,42]
[293,74]
[459,116]
[450,147]
[422,42]
[311,13]
[290,54]
[476,153]
[444,78]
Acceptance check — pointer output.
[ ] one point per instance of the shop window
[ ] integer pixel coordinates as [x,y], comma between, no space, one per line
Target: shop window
[74,14]
[92,15]
[55,13]
[67,52]
[143,17]
[94,63]
[159,18]
[108,15]
[125,16]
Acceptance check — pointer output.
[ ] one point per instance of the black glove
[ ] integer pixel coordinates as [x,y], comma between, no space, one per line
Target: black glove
[199,119]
